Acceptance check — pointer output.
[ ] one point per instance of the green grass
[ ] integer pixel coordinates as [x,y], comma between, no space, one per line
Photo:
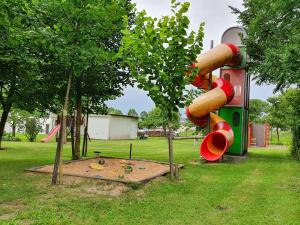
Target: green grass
[263,189]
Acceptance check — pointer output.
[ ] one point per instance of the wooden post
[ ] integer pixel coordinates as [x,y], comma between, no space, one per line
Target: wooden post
[57,170]
[176,171]
[130,150]
[86,132]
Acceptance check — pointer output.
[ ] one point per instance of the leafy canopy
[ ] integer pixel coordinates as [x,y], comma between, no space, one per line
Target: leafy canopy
[158,53]
[82,38]
[257,110]
[273,40]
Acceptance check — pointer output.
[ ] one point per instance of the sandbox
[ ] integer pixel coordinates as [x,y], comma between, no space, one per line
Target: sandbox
[113,169]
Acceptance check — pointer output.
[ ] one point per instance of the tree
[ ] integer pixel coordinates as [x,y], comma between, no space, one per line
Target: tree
[143,115]
[32,127]
[112,110]
[132,112]
[81,39]
[157,118]
[158,53]
[257,110]
[272,40]
[276,115]
[18,61]
[142,119]
[17,118]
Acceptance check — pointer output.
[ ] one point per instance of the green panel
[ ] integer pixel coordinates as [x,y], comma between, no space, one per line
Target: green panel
[237,118]
[243,62]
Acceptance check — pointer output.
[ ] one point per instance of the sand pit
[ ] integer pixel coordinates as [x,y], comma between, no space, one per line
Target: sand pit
[113,169]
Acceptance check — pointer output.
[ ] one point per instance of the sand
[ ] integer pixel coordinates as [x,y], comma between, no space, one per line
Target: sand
[113,169]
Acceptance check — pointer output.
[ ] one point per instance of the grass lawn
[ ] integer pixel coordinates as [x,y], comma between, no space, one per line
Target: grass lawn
[263,189]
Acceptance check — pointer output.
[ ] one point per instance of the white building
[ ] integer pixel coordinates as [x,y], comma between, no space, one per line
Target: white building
[111,127]
[105,127]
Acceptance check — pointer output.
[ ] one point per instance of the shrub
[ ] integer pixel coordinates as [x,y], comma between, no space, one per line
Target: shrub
[32,128]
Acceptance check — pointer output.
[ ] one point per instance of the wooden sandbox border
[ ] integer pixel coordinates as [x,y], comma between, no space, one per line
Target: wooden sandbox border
[180,166]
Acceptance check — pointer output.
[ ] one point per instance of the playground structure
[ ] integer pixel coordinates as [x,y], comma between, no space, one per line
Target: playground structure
[52,133]
[258,135]
[55,130]
[228,93]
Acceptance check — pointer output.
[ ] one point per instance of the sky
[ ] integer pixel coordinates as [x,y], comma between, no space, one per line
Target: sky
[217,18]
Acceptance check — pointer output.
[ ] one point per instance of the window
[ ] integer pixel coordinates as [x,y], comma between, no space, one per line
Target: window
[236,119]
[227,77]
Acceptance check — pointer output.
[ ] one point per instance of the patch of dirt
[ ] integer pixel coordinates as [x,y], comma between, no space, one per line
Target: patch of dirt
[281,147]
[26,222]
[109,189]
[83,187]
[195,162]
[11,206]
[221,207]
[7,216]
[8,209]
[113,169]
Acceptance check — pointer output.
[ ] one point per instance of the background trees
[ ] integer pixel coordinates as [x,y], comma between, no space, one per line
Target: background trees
[257,110]
[158,53]
[18,59]
[132,112]
[112,110]
[272,42]
[81,39]
[158,118]
[284,110]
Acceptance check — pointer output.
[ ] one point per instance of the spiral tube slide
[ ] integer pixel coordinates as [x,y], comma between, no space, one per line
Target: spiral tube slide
[216,143]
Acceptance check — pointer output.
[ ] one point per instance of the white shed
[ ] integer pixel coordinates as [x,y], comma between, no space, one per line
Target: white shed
[111,127]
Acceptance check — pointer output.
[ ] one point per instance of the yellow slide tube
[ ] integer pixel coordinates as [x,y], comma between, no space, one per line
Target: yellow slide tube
[216,143]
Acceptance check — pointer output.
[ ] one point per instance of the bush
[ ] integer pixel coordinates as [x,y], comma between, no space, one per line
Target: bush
[32,128]
[295,148]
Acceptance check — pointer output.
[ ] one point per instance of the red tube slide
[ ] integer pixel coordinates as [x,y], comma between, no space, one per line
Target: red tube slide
[216,143]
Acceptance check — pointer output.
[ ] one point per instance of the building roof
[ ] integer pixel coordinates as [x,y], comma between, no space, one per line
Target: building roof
[134,117]
[115,115]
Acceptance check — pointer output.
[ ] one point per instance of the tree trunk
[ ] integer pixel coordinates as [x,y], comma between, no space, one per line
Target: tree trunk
[72,138]
[170,144]
[3,120]
[85,138]
[164,131]
[78,121]
[14,130]
[277,133]
[57,170]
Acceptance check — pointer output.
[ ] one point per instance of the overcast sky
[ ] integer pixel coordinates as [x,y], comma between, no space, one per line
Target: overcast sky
[217,17]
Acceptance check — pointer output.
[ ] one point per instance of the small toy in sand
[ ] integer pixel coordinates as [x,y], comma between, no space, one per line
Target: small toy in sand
[128,169]
[96,166]
[101,161]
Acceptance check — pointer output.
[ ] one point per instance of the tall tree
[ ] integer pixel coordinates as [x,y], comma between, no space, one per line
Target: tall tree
[272,40]
[83,38]
[18,61]
[143,114]
[158,53]
[132,112]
